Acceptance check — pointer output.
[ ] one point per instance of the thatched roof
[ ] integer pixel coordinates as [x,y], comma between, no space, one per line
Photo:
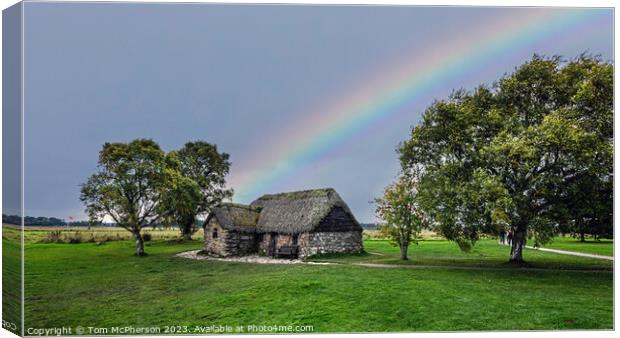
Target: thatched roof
[301,211]
[237,217]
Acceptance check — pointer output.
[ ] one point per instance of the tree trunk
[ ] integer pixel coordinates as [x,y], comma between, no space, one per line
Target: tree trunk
[139,243]
[186,230]
[518,243]
[582,237]
[403,252]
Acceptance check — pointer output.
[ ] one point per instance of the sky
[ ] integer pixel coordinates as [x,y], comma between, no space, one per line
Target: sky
[301,97]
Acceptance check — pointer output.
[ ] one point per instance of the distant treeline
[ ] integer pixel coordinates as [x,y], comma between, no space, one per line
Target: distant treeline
[53,221]
[369,226]
[42,221]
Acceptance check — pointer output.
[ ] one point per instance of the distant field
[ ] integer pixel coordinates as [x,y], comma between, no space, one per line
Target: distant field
[39,234]
[376,234]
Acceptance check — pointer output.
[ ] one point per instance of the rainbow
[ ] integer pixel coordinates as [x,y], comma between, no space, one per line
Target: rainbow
[328,125]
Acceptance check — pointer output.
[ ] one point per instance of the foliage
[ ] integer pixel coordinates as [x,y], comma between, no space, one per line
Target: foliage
[58,236]
[533,154]
[132,180]
[29,220]
[201,187]
[54,236]
[402,215]
[75,238]
[181,201]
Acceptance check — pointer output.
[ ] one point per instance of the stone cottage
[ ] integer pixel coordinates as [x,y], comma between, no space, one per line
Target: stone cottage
[230,230]
[298,224]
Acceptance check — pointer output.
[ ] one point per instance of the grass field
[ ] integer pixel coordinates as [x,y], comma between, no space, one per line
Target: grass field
[105,286]
[486,253]
[598,247]
[11,280]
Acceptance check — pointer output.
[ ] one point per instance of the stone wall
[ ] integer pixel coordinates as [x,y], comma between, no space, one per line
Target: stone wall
[242,243]
[235,243]
[315,243]
[215,246]
[228,242]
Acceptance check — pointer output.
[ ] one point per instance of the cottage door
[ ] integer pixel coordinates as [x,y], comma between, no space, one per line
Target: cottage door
[273,237]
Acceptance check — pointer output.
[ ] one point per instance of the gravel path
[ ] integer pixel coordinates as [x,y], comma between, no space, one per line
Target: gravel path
[244,259]
[565,252]
[572,253]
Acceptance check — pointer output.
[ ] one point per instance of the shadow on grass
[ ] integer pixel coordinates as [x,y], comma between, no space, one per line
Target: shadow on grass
[328,256]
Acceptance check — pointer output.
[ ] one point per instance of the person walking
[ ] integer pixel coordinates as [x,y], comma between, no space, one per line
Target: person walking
[510,237]
[502,236]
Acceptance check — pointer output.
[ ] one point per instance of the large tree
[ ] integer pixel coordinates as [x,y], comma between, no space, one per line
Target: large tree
[401,214]
[203,186]
[526,153]
[129,187]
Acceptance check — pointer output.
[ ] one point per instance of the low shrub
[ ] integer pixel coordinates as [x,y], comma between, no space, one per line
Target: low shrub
[147,237]
[54,236]
[76,238]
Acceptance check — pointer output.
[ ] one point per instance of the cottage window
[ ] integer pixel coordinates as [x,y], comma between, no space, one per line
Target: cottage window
[214,235]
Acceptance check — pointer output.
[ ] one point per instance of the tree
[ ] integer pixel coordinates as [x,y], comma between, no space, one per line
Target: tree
[519,154]
[203,185]
[399,209]
[129,186]
[594,219]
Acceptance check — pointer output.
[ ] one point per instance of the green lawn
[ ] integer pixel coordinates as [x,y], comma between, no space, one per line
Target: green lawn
[105,286]
[486,253]
[11,280]
[601,247]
